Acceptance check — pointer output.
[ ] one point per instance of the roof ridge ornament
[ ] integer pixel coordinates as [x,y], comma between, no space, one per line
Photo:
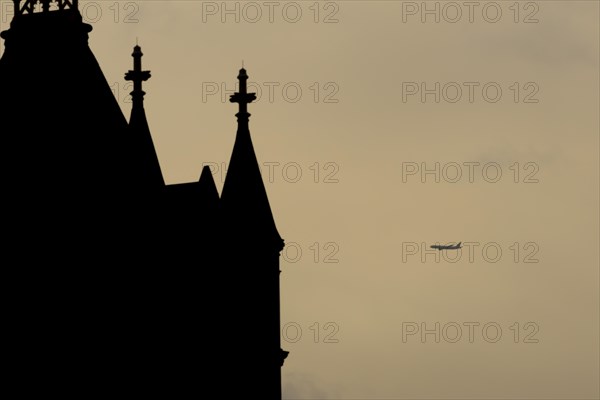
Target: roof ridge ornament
[43,6]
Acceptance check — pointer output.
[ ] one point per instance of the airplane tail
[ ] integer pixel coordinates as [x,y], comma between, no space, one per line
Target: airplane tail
[458,245]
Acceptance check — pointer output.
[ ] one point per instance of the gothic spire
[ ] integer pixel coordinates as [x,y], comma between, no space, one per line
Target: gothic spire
[244,197]
[142,144]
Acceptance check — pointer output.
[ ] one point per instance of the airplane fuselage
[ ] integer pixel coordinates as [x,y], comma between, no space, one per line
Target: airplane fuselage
[448,247]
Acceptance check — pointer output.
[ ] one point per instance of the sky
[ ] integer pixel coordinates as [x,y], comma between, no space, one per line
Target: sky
[384,127]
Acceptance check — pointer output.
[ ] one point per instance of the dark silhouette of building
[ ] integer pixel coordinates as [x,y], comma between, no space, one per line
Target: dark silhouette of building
[125,285]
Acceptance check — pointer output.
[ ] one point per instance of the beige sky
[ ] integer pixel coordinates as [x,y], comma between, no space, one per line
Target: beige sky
[356,135]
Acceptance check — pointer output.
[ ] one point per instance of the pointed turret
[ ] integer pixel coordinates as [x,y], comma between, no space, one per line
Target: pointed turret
[207,187]
[150,175]
[253,246]
[244,198]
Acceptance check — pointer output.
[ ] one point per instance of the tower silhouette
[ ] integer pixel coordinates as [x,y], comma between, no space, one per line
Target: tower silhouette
[141,287]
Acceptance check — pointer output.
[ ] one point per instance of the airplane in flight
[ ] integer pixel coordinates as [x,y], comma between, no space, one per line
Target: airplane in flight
[447,247]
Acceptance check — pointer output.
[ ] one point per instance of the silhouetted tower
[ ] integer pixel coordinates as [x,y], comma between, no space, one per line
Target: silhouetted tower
[143,281]
[257,245]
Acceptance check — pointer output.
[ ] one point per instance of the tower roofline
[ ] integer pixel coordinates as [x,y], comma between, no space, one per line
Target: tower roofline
[43,6]
[33,19]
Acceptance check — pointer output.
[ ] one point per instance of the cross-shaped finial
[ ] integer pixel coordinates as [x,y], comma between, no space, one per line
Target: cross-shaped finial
[137,76]
[243,98]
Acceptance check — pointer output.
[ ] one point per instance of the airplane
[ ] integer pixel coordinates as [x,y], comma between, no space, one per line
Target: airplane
[447,247]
